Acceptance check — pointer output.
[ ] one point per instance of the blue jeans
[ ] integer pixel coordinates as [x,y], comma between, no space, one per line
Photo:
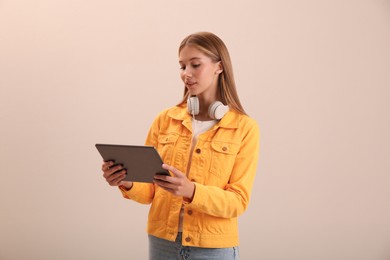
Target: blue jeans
[161,249]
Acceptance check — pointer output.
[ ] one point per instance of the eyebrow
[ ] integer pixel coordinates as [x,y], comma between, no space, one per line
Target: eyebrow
[194,58]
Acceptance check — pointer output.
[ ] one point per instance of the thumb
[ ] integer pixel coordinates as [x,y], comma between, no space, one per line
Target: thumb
[173,170]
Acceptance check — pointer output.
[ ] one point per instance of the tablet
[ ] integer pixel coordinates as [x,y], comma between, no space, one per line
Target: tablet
[141,162]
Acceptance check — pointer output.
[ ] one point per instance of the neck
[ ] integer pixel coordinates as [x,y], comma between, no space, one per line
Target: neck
[202,117]
[204,103]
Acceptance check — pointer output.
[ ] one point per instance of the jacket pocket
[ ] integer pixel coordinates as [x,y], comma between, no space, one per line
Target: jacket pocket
[166,143]
[223,156]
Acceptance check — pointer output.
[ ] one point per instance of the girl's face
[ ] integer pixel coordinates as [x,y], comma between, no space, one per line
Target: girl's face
[198,72]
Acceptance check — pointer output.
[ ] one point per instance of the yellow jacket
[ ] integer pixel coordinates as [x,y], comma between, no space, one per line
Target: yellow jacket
[223,168]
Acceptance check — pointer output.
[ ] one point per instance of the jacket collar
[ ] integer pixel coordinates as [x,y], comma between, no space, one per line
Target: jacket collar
[229,120]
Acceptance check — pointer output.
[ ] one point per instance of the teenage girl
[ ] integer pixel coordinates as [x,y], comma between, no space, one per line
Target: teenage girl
[210,146]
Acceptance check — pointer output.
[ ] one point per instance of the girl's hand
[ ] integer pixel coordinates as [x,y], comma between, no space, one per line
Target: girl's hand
[178,184]
[114,175]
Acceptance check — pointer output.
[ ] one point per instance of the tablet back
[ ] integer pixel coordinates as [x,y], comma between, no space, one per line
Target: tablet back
[141,162]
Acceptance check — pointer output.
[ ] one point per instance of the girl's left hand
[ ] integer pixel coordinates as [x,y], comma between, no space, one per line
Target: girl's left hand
[178,184]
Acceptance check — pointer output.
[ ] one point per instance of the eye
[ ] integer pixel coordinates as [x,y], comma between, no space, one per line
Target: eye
[195,65]
[182,67]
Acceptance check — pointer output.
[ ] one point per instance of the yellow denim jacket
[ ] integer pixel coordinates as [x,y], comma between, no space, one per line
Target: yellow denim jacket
[223,168]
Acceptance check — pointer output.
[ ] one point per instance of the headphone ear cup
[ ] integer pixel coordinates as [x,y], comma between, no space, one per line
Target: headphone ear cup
[193,105]
[217,110]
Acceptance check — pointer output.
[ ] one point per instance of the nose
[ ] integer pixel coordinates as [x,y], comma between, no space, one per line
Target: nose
[187,73]
[187,77]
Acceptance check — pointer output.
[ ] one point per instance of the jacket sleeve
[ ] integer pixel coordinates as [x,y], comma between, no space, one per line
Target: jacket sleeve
[144,192]
[233,199]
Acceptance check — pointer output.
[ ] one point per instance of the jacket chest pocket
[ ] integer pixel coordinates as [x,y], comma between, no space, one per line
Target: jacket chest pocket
[223,156]
[166,143]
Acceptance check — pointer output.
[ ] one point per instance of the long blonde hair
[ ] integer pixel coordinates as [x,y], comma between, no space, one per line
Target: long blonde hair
[213,47]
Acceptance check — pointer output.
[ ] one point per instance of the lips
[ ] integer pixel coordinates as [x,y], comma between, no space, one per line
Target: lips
[190,84]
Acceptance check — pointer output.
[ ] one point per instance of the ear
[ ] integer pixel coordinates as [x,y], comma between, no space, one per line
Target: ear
[220,68]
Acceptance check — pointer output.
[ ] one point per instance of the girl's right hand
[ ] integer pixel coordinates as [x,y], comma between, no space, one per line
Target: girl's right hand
[115,174]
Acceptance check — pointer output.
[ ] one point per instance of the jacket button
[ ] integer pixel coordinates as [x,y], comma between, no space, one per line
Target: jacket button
[224,148]
[197,150]
[188,239]
[189,212]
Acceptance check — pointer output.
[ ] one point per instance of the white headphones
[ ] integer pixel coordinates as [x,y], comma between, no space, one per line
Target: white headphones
[216,110]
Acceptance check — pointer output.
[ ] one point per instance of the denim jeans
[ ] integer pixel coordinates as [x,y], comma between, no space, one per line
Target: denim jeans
[161,249]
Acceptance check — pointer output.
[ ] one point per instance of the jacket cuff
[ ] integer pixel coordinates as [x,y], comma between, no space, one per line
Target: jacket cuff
[198,199]
[128,193]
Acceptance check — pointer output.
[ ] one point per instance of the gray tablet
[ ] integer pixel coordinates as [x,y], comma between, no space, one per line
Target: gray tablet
[141,162]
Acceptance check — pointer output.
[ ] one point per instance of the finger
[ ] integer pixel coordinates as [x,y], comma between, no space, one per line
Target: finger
[176,190]
[165,185]
[115,178]
[115,175]
[117,181]
[164,178]
[166,181]
[118,175]
[112,170]
[106,165]
[169,182]
[172,169]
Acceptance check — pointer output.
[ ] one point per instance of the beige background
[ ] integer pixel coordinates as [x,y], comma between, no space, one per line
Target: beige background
[314,74]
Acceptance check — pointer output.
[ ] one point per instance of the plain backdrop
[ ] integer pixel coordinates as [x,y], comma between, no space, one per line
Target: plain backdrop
[314,74]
